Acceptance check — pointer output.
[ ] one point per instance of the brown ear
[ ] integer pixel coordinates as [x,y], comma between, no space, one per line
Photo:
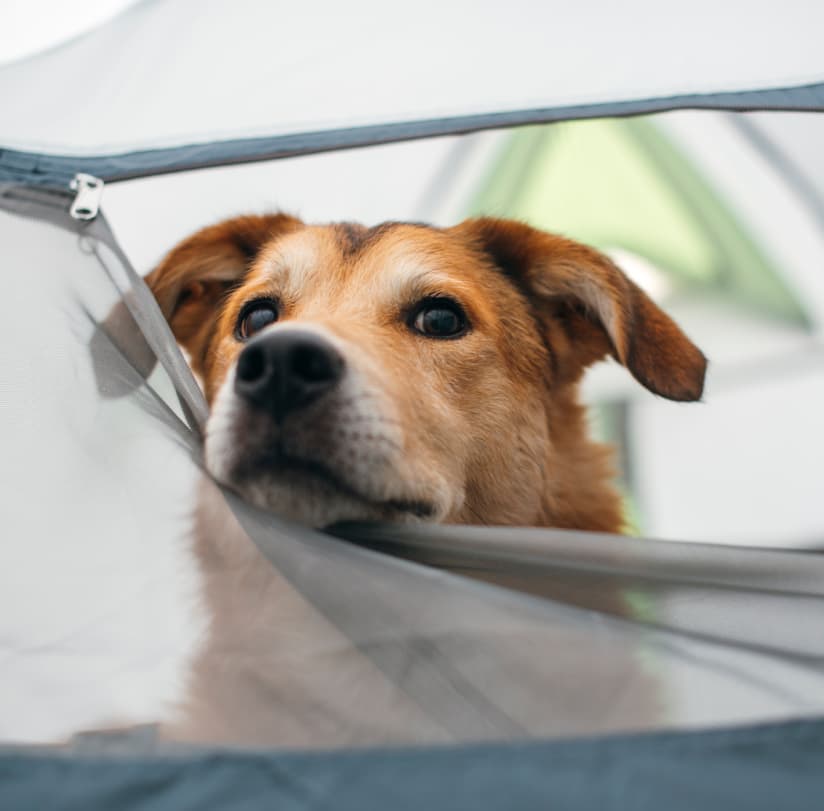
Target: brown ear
[195,276]
[603,310]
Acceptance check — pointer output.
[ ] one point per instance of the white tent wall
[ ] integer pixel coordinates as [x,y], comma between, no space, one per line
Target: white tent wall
[31,27]
[195,71]
[98,591]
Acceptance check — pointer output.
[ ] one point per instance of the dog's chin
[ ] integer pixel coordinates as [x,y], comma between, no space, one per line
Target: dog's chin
[320,470]
[307,494]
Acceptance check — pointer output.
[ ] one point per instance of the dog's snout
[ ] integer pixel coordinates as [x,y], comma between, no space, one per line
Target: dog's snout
[284,371]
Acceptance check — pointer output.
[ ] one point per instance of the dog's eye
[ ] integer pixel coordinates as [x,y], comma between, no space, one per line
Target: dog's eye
[439,318]
[256,315]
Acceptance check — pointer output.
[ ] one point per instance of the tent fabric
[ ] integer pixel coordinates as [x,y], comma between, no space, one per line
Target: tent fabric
[759,768]
[497,645]
[436,61]
[40,26]
[34,168]
[456,68]
[52,170]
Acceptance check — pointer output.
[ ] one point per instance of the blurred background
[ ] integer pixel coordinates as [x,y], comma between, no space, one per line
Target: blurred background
[718,216]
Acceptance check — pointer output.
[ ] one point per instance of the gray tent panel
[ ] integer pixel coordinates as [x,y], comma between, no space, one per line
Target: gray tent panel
[757,768]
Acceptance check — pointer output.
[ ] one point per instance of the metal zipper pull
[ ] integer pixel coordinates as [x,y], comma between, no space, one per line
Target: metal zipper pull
[88,191]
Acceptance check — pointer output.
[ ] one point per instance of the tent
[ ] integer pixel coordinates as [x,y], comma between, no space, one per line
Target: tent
[452,666]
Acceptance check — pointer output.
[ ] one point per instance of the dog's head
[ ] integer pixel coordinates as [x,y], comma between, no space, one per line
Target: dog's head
[405,371]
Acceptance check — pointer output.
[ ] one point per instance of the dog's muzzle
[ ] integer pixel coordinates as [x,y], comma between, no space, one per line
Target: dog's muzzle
[285,370]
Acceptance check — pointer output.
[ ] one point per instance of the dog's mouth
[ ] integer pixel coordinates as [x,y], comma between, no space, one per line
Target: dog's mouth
[285,465]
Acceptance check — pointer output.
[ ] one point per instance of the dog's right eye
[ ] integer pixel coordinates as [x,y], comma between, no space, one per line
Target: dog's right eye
[254,316]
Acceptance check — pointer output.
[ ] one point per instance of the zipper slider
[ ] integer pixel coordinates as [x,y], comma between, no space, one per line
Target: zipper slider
[88,191]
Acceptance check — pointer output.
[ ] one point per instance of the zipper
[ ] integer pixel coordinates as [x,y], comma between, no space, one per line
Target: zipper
[88,191]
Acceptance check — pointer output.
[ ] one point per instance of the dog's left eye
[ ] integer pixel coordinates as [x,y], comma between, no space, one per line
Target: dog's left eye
[440,318]
[256,315]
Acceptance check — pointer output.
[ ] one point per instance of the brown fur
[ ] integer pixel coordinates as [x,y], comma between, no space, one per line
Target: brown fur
[501,400]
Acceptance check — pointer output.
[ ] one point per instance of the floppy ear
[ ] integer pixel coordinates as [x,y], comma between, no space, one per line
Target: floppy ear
[601,310]
[195,276]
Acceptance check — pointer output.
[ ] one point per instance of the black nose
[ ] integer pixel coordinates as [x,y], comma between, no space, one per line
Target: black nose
[284,371]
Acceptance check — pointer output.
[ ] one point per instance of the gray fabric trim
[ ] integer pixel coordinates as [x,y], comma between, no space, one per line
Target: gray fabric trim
[760,768]
[55,171]
[146,313]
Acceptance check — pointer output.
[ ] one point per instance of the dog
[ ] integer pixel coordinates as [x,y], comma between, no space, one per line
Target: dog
[403,373]
[406,372]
